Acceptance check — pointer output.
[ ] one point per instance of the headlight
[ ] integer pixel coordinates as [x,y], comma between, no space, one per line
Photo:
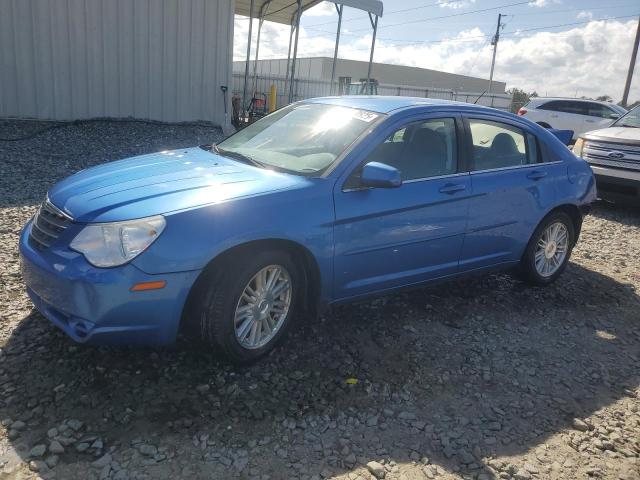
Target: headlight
[115,243]
[577,147]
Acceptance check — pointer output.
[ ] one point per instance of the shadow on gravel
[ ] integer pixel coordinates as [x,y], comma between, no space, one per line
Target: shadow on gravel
[456,373]
[624,214]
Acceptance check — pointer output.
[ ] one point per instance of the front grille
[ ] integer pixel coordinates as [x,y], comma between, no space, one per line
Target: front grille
[48,224]
[612,155]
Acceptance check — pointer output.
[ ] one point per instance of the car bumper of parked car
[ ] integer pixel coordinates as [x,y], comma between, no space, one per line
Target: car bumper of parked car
[617,185]
[97,305]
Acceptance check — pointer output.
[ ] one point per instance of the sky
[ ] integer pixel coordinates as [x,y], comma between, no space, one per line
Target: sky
[567,48]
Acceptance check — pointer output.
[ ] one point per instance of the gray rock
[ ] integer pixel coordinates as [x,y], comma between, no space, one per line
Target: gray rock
[74,424]
[147,450]
[580,425]
[56,447]
[52,460]
[38,451]
[102,461]
[376,469]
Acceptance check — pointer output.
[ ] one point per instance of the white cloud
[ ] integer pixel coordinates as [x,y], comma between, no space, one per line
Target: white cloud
[589,60]
[542,3]
[584,15]
[456,4]
[323,9]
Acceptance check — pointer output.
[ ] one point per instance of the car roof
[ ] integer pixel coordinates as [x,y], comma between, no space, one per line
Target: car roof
[385,104]
[535,101]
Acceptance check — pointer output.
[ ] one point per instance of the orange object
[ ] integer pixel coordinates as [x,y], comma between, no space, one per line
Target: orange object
[140,287]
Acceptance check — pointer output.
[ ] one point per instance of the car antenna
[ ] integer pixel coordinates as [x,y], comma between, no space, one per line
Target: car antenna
[481,95]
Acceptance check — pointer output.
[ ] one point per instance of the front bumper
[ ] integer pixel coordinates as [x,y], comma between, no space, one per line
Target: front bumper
[95,305]
[617,185]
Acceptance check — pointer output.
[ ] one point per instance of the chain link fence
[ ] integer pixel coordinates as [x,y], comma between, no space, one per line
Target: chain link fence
[310,88]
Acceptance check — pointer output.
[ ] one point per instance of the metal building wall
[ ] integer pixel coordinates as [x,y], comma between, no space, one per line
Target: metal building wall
[319,68]
[150,59]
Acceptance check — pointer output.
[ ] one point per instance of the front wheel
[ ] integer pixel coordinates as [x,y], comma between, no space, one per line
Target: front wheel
[549,249]
[245,307]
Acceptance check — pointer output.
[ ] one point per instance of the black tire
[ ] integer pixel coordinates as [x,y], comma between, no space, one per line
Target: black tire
[211,312]
[528,270]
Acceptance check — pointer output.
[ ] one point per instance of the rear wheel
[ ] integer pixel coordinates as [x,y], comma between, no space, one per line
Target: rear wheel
[549,249]
[245,306]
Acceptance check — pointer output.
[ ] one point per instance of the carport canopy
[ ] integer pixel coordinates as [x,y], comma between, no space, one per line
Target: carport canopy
[284,11]
[288,12]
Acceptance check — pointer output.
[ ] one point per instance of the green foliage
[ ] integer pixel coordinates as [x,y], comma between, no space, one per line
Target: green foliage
[520,98]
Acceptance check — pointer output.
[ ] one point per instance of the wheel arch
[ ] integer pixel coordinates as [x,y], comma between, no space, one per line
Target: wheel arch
[574,213]
[544,124]
[301,255]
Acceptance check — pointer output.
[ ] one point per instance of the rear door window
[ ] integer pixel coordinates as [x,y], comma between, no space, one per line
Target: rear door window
[499,145]
[566,106]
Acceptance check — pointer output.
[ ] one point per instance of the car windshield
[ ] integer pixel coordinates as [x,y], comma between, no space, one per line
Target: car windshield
[630,119]
[301,138]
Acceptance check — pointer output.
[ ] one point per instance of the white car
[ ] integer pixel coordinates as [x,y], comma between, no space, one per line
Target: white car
[571,113]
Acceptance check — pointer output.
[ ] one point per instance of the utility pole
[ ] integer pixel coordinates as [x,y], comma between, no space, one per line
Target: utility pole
[494,42]
[632,64]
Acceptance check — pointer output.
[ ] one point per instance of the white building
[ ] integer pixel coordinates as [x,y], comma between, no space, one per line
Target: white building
[319,68]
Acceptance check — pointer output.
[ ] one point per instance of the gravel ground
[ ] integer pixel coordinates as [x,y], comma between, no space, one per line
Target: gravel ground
[481,378]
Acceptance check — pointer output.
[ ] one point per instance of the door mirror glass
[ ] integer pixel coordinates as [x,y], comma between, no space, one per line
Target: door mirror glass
[380,175]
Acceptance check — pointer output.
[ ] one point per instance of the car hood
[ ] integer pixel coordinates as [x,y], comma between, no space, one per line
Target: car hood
[628,135]
[161,183]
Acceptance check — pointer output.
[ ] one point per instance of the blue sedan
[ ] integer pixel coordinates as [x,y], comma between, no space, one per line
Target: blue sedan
[324,201]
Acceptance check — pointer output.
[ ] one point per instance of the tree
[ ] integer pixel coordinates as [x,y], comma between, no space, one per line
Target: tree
[519,98]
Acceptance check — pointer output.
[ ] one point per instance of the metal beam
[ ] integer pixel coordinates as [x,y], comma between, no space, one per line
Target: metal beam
[246,66]
[295,51]
[374,24]
[335,52]
[286,72]
[263,12]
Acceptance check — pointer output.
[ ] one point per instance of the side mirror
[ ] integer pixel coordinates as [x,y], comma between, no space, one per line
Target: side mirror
[614,116]
[380,175]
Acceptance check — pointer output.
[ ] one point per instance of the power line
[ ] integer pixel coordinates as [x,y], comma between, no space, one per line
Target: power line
[517,32]
[439,3]
[450,15]
[487,37]
[387,13]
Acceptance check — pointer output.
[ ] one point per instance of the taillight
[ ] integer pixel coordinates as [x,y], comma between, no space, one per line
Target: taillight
[522,111]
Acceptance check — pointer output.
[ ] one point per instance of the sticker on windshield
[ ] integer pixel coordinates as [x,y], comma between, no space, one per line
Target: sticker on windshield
[365,116]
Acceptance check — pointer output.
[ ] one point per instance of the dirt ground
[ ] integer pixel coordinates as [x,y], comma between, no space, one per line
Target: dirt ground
[481,378]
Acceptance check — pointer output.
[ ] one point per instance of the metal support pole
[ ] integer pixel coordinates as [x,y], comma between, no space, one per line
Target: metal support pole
[632,64]
[494,42]
[374,24]
[255,62]
[335,52]
[295,51]
[246,66]
[286,73]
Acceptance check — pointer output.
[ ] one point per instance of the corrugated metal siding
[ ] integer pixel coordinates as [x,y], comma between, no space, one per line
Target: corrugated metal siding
[151,59]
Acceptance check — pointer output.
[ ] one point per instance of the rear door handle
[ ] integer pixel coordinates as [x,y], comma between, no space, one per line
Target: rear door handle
[452,188]
[536,175]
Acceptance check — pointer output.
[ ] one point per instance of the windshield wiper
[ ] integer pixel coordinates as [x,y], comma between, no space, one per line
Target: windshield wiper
[238,156]
[629,126]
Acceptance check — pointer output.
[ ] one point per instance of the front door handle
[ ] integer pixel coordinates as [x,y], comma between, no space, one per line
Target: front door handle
[536,175]
[452,188]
